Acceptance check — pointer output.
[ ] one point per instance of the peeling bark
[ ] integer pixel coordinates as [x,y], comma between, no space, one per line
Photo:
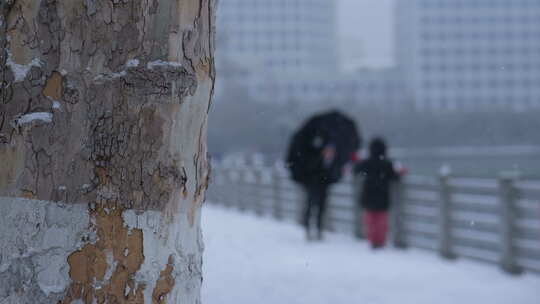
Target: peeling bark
[104,103]
[105,270]
[164,284]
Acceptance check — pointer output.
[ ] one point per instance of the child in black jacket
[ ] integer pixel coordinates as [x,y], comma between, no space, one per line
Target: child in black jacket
[377,173]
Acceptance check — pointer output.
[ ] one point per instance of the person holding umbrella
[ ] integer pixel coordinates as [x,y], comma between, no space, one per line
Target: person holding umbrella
[317,154]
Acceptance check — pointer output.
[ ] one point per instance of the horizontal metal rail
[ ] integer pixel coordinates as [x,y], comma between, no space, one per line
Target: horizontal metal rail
[493,220]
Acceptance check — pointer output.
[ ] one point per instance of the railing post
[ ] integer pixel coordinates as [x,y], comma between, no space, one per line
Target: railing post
[396,222]
[220,183]
[257,197]
[232,189]
[247,193]
[328,219]
[300,200]
[212,194]
[227,185]
[445,217]
[276,190]
[357,184]
[507,207]
[241,192]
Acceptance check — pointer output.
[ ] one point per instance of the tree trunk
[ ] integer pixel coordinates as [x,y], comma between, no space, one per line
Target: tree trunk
[103,167]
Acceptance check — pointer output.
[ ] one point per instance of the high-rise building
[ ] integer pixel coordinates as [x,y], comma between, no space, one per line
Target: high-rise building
[470,54]
[273,40]
[279,34]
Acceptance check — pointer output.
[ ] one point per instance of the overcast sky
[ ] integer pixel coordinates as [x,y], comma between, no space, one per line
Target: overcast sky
[366,32]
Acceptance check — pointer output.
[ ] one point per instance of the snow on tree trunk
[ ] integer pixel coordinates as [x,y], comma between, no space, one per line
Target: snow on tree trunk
[103,166]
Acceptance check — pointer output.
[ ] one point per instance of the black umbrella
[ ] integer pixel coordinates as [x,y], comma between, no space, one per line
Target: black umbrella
[331,130]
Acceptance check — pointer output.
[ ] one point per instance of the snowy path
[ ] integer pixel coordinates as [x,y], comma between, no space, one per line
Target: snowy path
[261,261]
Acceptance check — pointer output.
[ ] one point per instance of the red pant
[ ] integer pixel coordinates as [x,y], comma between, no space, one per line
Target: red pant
[376,227]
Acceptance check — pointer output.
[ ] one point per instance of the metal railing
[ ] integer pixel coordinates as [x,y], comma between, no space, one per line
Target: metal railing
[492,220]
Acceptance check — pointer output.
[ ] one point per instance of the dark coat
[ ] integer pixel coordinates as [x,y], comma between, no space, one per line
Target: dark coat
[378,173]
[304,157]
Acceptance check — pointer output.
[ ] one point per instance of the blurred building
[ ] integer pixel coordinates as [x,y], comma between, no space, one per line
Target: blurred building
[382,88]
[287,51]
[470,54]
[279,35]
[368,87]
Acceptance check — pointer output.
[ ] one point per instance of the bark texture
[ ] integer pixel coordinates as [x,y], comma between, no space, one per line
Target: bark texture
[103,115]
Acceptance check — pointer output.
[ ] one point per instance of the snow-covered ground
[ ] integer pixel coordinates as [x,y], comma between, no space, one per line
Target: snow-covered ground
[258,260]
